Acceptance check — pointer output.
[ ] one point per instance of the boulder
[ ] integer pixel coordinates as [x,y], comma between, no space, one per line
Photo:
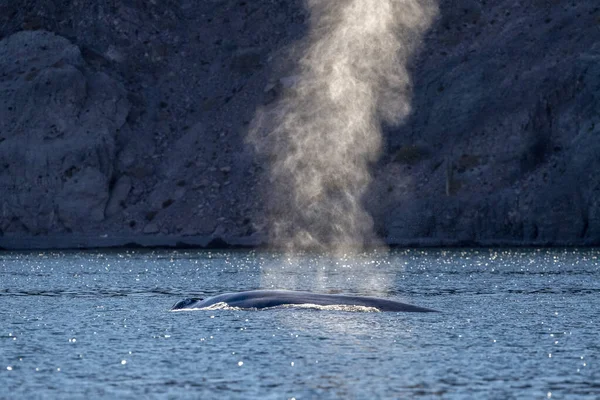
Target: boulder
[58,121]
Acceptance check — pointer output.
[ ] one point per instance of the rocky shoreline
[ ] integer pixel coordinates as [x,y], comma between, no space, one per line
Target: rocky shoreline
[257,242]
[126,123]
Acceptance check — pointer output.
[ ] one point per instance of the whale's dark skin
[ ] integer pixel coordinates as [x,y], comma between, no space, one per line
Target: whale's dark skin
[257,299]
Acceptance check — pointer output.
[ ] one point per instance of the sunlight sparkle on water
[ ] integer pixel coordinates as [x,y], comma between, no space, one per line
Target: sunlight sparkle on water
[521,307]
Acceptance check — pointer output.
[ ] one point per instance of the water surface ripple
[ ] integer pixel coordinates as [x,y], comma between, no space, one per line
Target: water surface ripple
[514,324]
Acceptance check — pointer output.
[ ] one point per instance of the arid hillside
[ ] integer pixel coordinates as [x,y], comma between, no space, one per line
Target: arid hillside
[127,122]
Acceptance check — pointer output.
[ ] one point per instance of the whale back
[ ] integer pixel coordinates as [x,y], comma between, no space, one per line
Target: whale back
[260,299]
[186,303]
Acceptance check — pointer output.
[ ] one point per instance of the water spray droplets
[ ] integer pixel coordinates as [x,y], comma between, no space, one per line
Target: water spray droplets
[320,141]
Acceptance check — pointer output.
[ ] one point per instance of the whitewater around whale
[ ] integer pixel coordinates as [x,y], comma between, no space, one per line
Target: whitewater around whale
[266,299]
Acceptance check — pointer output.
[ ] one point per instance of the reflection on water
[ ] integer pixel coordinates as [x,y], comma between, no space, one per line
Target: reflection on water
[514,324]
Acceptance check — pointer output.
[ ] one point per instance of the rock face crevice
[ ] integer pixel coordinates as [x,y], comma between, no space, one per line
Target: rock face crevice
[130,119]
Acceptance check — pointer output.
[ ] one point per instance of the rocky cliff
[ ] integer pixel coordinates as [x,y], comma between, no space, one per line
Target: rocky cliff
[126,121]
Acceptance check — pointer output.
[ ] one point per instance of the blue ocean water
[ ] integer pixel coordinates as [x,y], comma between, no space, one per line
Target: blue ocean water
[513,324]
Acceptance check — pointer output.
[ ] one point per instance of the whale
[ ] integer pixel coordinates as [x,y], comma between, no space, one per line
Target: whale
[265,299]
